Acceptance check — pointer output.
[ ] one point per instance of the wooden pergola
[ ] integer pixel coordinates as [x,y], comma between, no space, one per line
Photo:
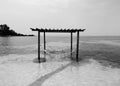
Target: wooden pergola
[71,31]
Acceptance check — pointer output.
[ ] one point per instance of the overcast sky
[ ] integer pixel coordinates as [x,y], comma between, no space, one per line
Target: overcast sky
[99,17]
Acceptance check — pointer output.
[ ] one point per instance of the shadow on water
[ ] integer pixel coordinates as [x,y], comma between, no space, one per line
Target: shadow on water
[41,80]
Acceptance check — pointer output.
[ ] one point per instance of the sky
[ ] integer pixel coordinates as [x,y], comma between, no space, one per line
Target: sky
[98,17]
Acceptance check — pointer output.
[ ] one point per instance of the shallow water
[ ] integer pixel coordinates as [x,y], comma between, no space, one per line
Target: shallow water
[18,69]
[28,45]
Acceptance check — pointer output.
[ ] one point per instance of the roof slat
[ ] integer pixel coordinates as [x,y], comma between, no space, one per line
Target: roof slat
[57,30]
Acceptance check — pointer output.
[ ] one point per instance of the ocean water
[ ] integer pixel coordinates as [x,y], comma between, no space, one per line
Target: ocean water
[28,45]
[18,69]
[24,45]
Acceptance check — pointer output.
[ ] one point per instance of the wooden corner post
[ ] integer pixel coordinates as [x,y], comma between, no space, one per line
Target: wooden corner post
[71,44]
[44,44]
[39,46]
[77,50]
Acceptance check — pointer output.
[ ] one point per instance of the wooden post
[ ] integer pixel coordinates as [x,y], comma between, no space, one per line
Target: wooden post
[39,46]
[44,44]
[77,50]
[71,43]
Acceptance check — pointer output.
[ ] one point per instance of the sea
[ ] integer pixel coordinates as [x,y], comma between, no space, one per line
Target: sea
[18,66]
[28,45]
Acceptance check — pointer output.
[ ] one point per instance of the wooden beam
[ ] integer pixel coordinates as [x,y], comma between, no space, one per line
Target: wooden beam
[39,46]
[77,50]
[58,30]
[44,44]
[71,43]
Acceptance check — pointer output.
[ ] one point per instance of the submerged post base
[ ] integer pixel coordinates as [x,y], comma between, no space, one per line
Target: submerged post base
[40,60]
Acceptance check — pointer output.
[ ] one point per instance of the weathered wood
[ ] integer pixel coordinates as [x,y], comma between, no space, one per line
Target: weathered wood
[77,50]
[71,43]
[39,46]
[44,44]
[58,30]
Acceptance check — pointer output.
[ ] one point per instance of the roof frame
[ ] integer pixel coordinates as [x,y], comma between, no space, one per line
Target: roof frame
[57,30]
